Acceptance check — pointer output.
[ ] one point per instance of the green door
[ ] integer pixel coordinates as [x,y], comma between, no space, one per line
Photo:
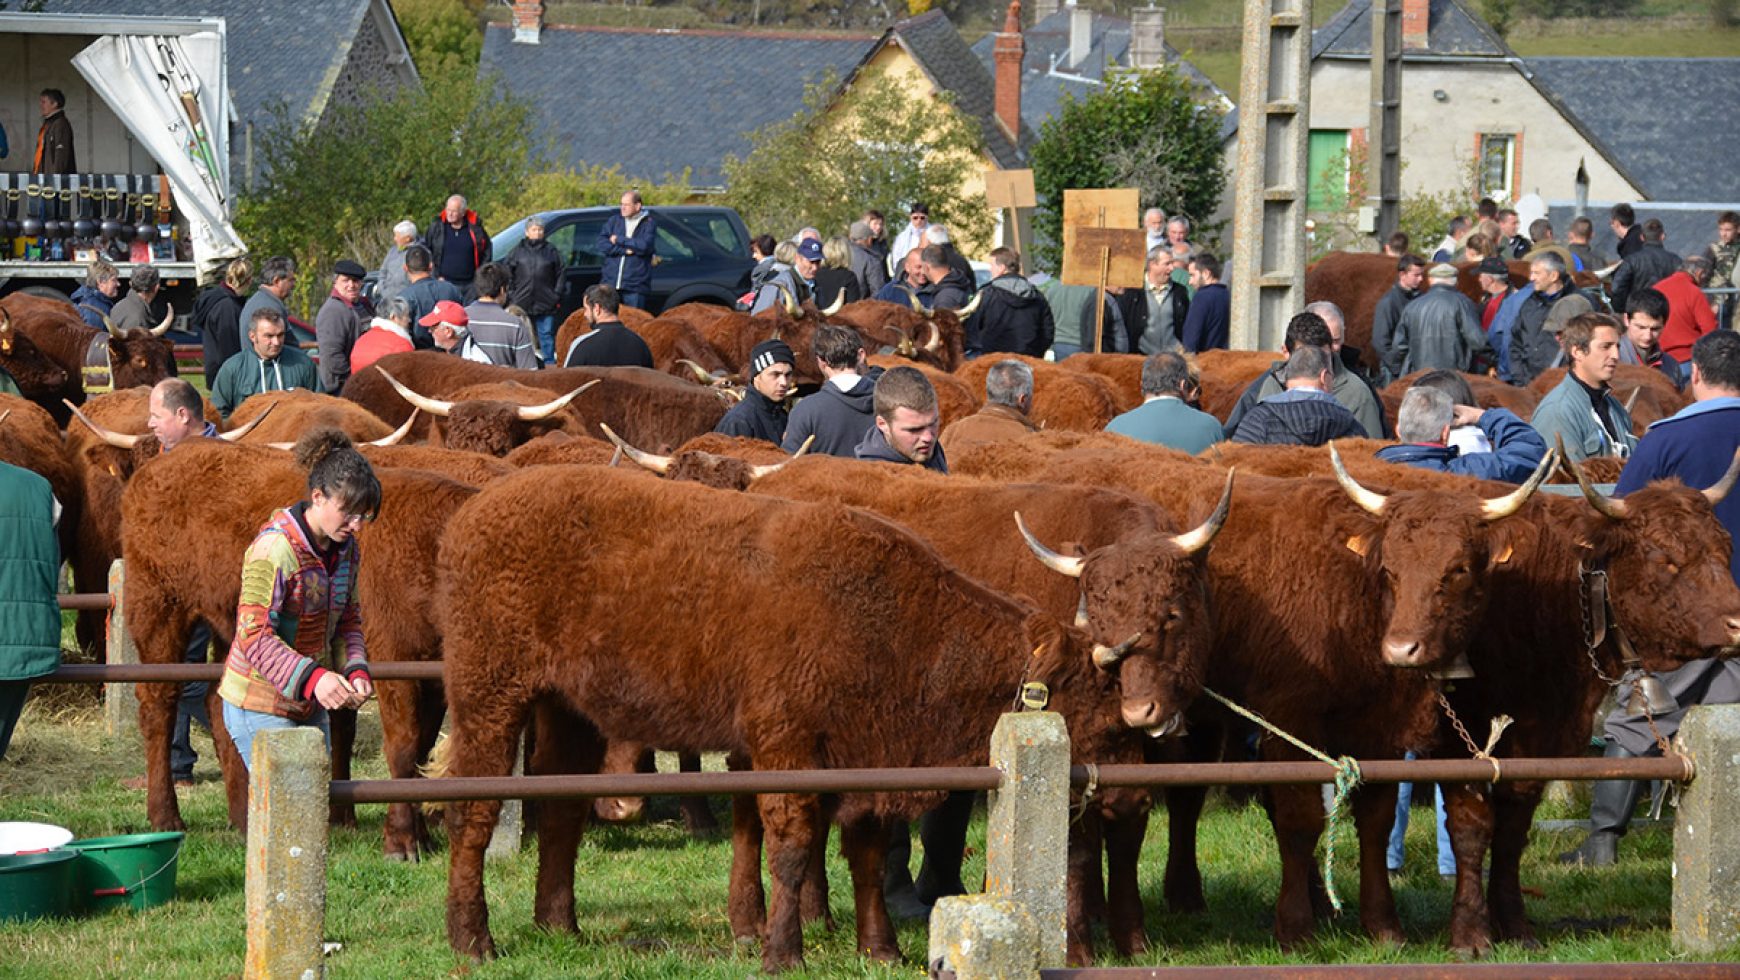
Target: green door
[1328,170]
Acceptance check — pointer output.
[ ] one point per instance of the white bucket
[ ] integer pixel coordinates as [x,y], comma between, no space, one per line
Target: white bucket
[21,837]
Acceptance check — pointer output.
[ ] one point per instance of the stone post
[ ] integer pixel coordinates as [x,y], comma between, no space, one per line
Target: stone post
[1706,904]
[120,701]
[286,890]
[1027,840]
[510,826]
[979,937]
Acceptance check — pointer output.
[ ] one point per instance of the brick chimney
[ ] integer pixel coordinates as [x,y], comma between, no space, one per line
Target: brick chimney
[1006,52]
[528,21]
[1147,37]
[1416,21]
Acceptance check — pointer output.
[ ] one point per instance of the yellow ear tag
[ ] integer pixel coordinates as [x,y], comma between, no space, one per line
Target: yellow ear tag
[1358,545]
[1035,696]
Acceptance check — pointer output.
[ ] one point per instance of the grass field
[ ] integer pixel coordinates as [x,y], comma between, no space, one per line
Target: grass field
[652,901]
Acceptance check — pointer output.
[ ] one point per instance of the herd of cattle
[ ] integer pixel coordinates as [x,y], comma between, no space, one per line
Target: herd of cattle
[826,613]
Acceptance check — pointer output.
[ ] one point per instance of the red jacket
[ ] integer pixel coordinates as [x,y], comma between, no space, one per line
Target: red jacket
[374,344]
[1689,316]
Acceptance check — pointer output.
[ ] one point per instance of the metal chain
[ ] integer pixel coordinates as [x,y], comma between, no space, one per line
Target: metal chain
[1456,723]
[1584,576]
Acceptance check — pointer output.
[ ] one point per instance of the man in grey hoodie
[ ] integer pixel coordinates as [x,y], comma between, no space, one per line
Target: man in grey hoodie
[1012,316]
[842,410]
[907,422]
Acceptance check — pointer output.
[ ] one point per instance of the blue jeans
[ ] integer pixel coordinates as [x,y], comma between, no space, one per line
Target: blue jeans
[1404,797]
[191,707]
[546,330]
[640,301]
[244,725]
[1059,351]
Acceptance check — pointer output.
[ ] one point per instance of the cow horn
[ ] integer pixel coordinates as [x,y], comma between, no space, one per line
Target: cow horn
[399,433]
[769,469]
[838,303]
[1631,399]
[5,415]
[1081,613]
[1107,658]
[5,321]
[658,464]
[1610,506]
[1369,500]
[701,373]
[427,404]
[1050,559]
[1718,491]
[235,435]
[789,301]
[912,298]
[972,304]
[1511,502]
[109,325]
[1190,542]
[934,344]
[537,413]
[115,439]
[168,321]
[616,457]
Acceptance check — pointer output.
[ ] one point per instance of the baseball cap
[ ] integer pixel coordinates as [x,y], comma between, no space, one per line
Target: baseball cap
[1492,265]
[447,312]
[810,249]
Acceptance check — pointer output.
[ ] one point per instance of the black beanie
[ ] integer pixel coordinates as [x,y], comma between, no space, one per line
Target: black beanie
[767,354]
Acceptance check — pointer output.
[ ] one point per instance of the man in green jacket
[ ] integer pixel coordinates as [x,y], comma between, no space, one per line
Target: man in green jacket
[29,567]
[265,363]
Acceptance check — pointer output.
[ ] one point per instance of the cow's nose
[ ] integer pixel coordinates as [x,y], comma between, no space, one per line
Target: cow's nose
[1141,714]
[1401,653]
[1733,624]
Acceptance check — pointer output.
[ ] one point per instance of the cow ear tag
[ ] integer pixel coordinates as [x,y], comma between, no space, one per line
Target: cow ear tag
[1035,696]
[1358,545]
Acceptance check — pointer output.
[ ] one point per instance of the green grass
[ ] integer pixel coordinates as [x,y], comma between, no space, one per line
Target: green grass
[652,902]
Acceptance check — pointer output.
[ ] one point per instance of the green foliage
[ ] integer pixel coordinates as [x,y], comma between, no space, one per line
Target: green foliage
[876,148]
[443,35]
[590,185]
[1546,9]
[336,191]
[1144,129]
[1499,14]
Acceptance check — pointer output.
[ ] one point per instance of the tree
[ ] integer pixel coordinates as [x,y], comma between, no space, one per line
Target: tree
[1143,129]
[874,146]
[588,186]
[335,191]
[443,35]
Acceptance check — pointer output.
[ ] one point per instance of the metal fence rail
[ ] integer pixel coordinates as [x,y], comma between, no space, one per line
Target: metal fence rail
[86,600]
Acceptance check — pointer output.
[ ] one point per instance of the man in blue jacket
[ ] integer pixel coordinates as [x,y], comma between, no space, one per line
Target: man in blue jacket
[1424,422]
[1695,446]
[1207,322]
[627,243]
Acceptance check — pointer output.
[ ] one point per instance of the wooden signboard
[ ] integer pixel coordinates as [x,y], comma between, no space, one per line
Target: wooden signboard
[1010,189]
[1108,208]
[1104,256]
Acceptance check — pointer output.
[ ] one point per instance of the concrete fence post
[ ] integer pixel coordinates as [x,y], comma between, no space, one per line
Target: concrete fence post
[1027,840]
[979,937]
[120,701]
[1706,903]
[286,891]
[510,825]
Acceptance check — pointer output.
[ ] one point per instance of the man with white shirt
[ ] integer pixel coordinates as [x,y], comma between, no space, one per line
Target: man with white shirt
[912,236]
[844,409]
[1154,227]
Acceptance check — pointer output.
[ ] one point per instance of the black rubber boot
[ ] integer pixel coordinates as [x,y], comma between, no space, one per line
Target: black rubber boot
[1610,809]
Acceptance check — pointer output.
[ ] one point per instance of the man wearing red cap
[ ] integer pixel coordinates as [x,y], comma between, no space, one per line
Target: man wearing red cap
[451,329]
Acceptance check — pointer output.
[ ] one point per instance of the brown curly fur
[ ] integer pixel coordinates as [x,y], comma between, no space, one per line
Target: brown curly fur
[1062,399]
[298,410]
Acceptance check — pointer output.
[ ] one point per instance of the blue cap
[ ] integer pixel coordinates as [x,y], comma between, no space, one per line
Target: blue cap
[810,249]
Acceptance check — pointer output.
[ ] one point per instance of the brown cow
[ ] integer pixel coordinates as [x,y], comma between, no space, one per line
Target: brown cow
[182,564]
[30,439]
[734,334]
[836,587]
[1488,392]
[1408,574]
[955,398]
[1062,399]
[1225,374]
[1122,371]
[38,377]
[560,449]
[134,357]
[298,410]
[495,417]
[910,332]
[1529,657]
[671,340]
[654,409]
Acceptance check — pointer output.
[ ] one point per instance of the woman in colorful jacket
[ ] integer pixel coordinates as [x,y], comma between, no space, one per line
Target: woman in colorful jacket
[298,651]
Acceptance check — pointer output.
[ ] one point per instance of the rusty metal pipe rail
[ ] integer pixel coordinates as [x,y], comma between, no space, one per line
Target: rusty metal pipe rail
[969,778]
[101,601]
[380,670]
[1403,971]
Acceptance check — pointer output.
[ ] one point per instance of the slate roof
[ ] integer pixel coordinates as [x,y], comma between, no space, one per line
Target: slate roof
[274,52]
[653,102]
[1662,118]
[933,42]
[1451,29]
[1046,78]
